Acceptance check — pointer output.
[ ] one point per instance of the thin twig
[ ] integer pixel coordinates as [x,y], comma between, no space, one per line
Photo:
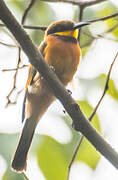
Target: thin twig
[19,58]
[31,2]
[8,45]
[15,69]
[93,113]
[99,35]
[15,76]
[104,18]
[74,155]
[43,28]
[112,28]
[25,176]
[77,3]
[86,44]
[105,88]
[81,8]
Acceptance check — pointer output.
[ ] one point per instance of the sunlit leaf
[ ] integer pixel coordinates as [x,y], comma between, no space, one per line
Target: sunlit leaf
[86,40]
[20,5]
[112,22]
[112,90]
[52,159]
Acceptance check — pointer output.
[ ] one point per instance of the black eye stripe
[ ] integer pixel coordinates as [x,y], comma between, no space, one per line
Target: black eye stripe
[60,26]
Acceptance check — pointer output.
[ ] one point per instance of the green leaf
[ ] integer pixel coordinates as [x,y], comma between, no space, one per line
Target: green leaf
[109,9]
[8,145]
[86,38]
[8,142]
[112,90]
[85,41]
[52,159]
[87,153]
[20,5]
[41,14]
[99,82]
[10,175]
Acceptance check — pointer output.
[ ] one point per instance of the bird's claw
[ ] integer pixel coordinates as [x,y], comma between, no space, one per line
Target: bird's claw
[52,68]
[70,92]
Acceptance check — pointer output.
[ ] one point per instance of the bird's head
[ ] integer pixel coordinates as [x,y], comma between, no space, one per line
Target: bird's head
[65,27]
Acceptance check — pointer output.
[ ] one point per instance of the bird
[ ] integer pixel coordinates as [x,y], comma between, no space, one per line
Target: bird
[61,50]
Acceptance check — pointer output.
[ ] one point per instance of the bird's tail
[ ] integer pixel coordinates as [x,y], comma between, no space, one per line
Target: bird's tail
[20,157]
[41,105]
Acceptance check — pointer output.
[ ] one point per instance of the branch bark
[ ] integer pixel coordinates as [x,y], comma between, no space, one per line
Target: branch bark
[80,122]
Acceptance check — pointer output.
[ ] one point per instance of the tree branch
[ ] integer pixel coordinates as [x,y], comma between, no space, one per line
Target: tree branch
[43,28]
[31,2]
[77,3]
[104,18]
[80,122]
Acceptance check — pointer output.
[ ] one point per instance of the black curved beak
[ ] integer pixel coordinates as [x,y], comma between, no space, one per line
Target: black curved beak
[80,24]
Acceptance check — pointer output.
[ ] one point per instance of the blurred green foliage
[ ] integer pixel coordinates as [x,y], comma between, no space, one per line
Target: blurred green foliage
[41,14]
[87,153]
[53,157]
[112,90]
[58,156]
[108,9]
[8,143]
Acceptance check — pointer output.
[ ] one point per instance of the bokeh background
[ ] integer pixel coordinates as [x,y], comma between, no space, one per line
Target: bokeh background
[55,141]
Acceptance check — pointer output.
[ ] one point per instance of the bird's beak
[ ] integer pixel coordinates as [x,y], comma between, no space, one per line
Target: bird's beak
[80,24]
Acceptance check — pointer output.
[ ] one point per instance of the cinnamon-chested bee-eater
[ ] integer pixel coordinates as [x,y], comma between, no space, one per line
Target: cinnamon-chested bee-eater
[61,51]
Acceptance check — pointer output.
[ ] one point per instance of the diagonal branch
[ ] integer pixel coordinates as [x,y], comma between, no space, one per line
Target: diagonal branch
[80,122]
[25,176]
